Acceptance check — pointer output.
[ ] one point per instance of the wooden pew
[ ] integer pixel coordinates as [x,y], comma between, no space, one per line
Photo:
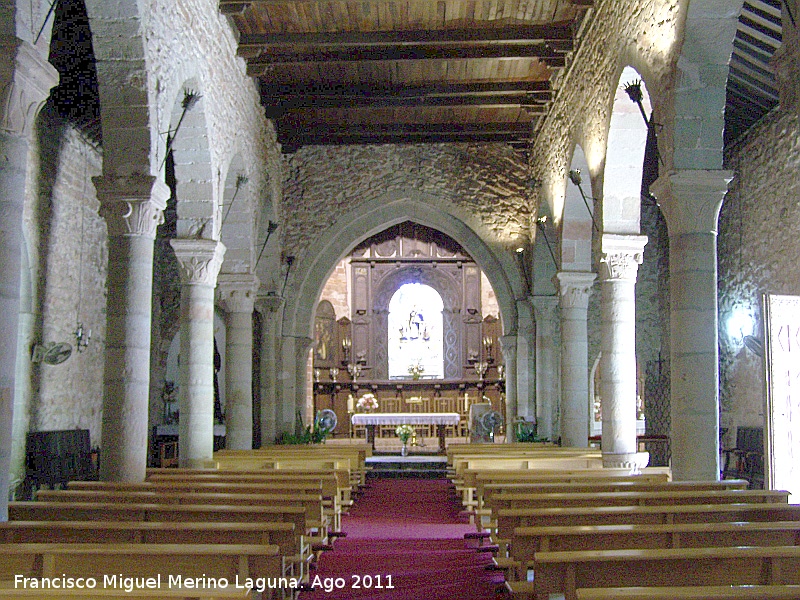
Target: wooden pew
[186,562]
[472,478]
[509,519]
[144,532]
[330,502]
[490,489]
[335,483]
[10,590]
[88,511]
[527,541]
[633,498]
[565,572]
[696,592]
[311,503]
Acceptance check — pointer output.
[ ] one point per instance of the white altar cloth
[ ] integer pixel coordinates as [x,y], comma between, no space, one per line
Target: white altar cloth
[405,418]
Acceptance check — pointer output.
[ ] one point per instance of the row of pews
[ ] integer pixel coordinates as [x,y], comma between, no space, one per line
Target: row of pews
[560,524]
[249,526]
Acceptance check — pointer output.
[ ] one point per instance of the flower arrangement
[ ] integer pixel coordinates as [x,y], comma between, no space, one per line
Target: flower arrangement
[416,369]
[367,402]
[404,432]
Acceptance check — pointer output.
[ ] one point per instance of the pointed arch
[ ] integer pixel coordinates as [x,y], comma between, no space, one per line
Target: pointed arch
[309,272]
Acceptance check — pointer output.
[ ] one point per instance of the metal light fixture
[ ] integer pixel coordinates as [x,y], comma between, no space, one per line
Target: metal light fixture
[272,226]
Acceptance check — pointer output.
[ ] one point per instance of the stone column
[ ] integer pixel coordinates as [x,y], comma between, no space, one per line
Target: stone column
[620,258]
[691,201]
[547,382]
[269,306]
[133,209]
[199,261]
[574,291]
[236,294]
[293,393]
[25,81]
[508,345]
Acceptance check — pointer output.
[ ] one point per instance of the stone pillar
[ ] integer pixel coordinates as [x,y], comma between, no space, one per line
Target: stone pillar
[25,82]
[293,394]
[133,209]
[269,306]
[620,258]
[574,291]
[236,295]
[547,381]
[199,261]
[691,201]
[508,345]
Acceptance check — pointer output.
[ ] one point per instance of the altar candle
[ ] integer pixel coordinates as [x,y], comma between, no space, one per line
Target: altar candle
[466,402]
[350,407]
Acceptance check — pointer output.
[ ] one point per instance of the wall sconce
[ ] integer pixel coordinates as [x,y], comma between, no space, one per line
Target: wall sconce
[354,369]
[271,227]
[347,345]
[540,223]
[487,348]
[575,177]
[82,337]
[289,260]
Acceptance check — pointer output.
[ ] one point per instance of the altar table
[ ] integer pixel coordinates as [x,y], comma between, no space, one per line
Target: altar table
[439,419]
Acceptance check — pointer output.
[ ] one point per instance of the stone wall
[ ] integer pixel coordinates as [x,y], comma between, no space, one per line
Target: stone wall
[487,181]
[69,263]
[758,250]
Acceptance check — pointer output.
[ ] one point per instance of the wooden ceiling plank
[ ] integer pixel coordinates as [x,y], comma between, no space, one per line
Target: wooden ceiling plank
[295,102]
[541,88]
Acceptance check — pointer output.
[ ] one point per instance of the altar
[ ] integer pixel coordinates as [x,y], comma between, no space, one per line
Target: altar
[441,420]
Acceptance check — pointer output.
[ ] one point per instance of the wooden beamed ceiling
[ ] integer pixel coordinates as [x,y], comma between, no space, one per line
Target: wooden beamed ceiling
[405,71]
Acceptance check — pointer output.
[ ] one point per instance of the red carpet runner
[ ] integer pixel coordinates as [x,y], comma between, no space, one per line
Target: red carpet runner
[405,541]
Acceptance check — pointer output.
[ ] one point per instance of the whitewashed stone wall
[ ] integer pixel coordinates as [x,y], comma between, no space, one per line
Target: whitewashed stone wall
[758,252]
[69,261]
[488,181]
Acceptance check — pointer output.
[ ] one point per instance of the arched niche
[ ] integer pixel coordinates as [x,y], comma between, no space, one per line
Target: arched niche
[416,333]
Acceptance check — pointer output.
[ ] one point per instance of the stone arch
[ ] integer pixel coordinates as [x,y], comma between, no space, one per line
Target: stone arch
[701,82]
[622,177]
[577,221]
[197,198]
[237,220]
[310,271]
[122,76]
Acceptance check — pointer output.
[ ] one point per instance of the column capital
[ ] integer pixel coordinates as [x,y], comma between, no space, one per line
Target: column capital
[574,288]
[132,205]
[620,256]
[545,308]
[508,345]
[691,200]
[270,303]
[236,292]
[26,78]
[199,260]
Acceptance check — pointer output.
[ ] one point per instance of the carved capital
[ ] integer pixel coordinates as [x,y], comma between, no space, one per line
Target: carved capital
[26,79]
[508,345]
[270,303]
[574,288]
[620,256]
[236,292]
[199,260]
[691,200]
[132,206]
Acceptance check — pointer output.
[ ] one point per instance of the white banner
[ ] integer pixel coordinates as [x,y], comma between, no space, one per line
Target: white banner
[782,328]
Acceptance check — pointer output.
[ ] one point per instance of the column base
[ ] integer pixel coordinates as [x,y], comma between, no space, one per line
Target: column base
[635,461]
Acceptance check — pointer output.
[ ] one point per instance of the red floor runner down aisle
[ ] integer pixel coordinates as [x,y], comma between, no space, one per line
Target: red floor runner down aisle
[405,541]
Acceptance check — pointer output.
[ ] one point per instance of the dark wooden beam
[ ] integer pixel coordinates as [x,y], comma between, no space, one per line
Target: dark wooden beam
[483,101]
[547,54]
[509,34]
[247,3]
[294,135]
[540,89]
